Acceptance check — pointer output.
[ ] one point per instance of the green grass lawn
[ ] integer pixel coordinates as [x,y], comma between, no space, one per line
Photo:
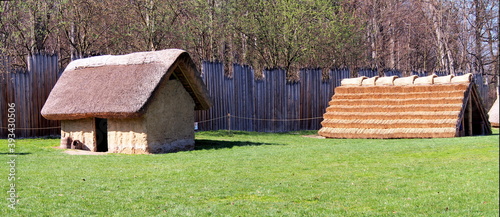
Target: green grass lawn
[261,174]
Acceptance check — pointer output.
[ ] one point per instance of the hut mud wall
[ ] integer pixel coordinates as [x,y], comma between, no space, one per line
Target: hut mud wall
[169,119]
[127,136]
[81,130]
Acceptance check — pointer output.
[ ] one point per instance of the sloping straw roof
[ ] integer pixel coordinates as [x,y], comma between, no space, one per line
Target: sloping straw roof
[121,86]
[405,110]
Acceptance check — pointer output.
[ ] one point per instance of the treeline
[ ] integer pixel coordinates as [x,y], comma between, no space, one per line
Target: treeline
[408,35]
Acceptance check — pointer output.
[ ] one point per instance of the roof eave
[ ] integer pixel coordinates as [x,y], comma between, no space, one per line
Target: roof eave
[107,115]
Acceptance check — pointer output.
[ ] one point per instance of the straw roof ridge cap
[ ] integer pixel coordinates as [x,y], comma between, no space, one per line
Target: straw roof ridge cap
[165,57]
[429,80]
[357,81]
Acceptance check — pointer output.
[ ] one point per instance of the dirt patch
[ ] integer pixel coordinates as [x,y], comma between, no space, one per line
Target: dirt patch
[314,136]
[83,152]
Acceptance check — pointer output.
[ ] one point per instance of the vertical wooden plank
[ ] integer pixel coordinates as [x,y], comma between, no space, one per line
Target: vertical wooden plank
[30,105]
[35,68]
[221,123]
[3,93]
[265,101]
[31,99]
[217,91]
[238,100]
[325,96]
[316,99]
[3,102]
[25,110]
[469,114]
[278,99]
[10,88]
[302,91]
[34,101]
[274,100]
[17,100]
[250,106]
[19,104]
[307,100]
[268,81]
[242,83]
[290,106]
[36,65]
[296,104]
[43,73]
[283,105]
[202,115]
[239,97]
[208,125]
[257,105]
[213,85]
[231,101]
[210,85]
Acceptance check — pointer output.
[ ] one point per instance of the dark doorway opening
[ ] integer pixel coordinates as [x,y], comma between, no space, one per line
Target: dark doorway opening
[101,134]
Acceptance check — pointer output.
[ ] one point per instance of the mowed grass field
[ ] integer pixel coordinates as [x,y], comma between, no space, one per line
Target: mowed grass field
[261,174]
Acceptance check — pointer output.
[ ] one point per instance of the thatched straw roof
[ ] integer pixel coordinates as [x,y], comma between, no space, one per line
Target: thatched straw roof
[121,86]
[406,110]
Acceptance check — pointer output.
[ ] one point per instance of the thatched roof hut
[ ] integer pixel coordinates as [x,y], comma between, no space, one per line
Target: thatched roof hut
[141,102]
[403,109]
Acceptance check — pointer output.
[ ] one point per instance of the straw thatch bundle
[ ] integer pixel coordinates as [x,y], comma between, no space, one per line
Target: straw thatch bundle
[386,81]
[369,81]
[353,81]
[462,79]
[425,80]
[405,81]
[354,133]
[443,79]
[402,111]
[389,108]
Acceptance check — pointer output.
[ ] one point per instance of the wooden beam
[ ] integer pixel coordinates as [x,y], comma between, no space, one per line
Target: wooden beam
[481,111]
[461,131]
[469,116]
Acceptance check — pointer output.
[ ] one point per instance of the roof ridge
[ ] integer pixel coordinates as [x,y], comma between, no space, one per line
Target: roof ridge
[412,80]
[136,58]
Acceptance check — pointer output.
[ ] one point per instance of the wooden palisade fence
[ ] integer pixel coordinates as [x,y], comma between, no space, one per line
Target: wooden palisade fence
[270,104]
[28,89]
[241,102]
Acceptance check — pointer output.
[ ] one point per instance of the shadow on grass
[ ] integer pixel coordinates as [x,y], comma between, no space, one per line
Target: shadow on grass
[203,144]
[22,153]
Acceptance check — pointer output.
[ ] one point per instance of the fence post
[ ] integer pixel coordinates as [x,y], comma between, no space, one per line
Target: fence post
[229,122]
